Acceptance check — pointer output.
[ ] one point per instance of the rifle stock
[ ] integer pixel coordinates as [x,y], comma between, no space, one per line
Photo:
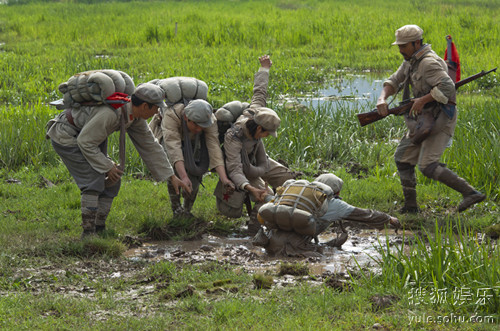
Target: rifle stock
[373,115]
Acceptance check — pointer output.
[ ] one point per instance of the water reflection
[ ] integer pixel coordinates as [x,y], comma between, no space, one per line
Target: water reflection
[348,91]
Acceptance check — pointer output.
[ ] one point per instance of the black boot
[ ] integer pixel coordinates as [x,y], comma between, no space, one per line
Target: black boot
[410,206]
[409,182]
[452,180]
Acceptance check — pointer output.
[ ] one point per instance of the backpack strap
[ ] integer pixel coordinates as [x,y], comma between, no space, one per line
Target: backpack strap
[195,166]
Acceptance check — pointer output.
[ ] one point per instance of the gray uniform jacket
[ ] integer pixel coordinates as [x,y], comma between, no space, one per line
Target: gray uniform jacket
[341,210]
[172,131]
[426,73]
[238,138]
[93,126]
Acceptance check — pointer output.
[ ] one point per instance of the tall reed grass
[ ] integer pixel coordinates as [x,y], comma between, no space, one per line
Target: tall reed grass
[443,262]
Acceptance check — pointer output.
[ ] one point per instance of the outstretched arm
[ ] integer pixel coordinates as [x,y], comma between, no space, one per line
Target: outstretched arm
[261,82]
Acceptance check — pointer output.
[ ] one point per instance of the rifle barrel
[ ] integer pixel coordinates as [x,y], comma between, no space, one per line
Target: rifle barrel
[473,77]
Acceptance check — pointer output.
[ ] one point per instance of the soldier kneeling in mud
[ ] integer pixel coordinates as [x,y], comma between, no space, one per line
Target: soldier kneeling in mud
[301,210]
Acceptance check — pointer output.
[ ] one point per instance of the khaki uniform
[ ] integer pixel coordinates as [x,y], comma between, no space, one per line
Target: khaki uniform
[172,134]
[239,144]
[238,140]
[426,73]
[83,149]
[96,124]
[304,225]
[279,242]
[169,130]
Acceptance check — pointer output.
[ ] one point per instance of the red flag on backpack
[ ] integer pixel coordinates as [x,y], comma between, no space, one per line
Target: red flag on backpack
[452,60]
[117,99]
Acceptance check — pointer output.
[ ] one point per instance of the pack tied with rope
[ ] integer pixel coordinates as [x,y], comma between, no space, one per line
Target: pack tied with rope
[95,87]
[296,207]
[178,92]
[182,89]
[227,115]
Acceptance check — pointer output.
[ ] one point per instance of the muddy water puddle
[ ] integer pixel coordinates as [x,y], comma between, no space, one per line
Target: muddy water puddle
[360,249]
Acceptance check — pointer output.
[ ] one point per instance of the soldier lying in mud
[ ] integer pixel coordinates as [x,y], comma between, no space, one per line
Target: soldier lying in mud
[301,210]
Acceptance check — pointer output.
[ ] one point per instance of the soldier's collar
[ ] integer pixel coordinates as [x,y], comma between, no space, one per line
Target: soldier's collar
[419,54]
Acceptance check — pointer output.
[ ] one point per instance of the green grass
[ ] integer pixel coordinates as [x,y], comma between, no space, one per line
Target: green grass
[445,268]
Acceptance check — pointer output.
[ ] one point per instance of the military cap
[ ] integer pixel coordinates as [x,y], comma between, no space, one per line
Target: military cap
[407,34]
[151,93]
[268,120]
[200,112]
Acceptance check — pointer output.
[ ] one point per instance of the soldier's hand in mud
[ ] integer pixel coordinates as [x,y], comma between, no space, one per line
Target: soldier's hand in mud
[265,61]
[382,108]
[229,186]
[394,222]
[114,174]
[258,194]
[176,182]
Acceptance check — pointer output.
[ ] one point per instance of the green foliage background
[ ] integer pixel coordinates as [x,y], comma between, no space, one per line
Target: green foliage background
[43,43]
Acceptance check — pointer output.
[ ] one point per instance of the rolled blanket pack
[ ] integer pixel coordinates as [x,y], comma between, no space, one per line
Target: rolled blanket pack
[95,86]
[182,89]
[231,111]
[296,206]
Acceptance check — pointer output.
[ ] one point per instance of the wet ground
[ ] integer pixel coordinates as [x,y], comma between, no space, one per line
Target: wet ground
[360,249]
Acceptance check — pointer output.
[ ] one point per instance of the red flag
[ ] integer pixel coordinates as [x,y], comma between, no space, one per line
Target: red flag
[452,59]
[117,99]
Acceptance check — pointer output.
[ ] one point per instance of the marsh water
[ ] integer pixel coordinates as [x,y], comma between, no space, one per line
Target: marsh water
[352,90]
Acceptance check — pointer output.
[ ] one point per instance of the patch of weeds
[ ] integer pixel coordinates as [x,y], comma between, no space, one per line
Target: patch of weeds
[493,231]
[108,234]
[178,228]
[186,292]
[222,290]
[154,228]
[191,302]
[294,269]
[338,283]
[261,281]
[212,267]
[380,302]
[131,242]
[187,228]
[222,225]
[222,282]
[162,272]
[95,246]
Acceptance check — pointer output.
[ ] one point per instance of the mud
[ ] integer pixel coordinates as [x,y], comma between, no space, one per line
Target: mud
[360,249]
[127,280]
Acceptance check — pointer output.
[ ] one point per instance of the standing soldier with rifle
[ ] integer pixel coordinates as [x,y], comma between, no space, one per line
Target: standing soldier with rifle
[433,112]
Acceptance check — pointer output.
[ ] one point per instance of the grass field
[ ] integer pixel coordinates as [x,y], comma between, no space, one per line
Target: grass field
[51,280]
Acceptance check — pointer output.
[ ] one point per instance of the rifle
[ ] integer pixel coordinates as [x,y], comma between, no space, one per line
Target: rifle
[405,105]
